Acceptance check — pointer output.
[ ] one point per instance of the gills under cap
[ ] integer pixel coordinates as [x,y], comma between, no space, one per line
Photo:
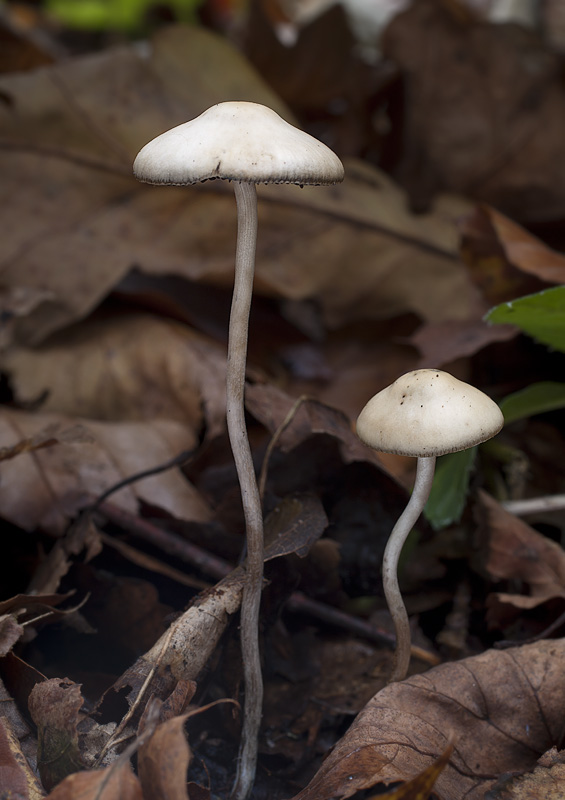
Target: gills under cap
[428,413]
[240,142]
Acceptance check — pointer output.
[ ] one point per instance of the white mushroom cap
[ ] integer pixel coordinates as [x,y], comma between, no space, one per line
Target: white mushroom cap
[428,413]
[240,142]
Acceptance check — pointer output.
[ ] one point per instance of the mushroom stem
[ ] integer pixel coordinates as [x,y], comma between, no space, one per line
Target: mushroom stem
[246,199]
[406,521]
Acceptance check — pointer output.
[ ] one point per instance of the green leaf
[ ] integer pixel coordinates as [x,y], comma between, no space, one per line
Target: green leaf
[540,315]
[534,399]
[124,15]
[449,491]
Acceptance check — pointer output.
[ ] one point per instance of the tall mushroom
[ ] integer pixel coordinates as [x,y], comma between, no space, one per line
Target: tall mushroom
[425,413]
[248,144]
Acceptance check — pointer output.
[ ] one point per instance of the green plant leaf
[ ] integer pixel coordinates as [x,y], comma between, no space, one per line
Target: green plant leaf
[124,15]
[534,399]
[540,315]
[449,491]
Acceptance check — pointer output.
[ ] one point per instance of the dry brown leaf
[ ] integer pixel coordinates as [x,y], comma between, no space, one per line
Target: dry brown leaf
[77,222]
[517,552]
[442,342]
[484,112]
[16,777]
[419,788]
[526,252]
[10,632]
[181,653]
[71,132]
[272,407]
[48,437]
[163,762]
[501,707]
[133,367]
[545,782]
[26,609]
[504,260]
[54,706]
[116,782]
[65,478]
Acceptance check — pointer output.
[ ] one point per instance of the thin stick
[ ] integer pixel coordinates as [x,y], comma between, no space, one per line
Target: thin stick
[246,198]
[297,603]
[535,505]
[275,438]
[406,521]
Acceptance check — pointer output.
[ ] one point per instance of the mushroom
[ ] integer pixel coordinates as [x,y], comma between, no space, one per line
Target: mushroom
[425,413]
[246,143]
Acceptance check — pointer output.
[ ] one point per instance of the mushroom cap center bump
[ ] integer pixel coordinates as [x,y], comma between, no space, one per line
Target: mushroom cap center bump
[428,412]
[237,141]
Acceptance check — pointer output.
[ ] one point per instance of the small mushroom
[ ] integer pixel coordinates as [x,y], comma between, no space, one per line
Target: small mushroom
[248,144]
[425,413]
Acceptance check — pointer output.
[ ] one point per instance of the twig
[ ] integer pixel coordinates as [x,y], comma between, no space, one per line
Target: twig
[534,505]
[275,438]
[177,461]
[218,568]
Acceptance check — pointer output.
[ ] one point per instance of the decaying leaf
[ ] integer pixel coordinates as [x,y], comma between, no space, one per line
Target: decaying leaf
[501,707]
[54,706]
[65,478]
[504,260]
[163,761]
[499,138]
[17,779]
[515,551]
[132,368]
[545,782]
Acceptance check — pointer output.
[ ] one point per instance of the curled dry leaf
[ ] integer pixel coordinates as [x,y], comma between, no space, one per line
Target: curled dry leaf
[76,222]
[515,551]
[163,762]
[65,478]
[502,709]
[132,368]
[504,260]
[299,420]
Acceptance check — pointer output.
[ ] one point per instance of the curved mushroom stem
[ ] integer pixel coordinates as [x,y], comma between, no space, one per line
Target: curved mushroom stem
[406,521]
[246,198]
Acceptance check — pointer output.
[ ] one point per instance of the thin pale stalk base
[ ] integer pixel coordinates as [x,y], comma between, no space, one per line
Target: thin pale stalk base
[406,521]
